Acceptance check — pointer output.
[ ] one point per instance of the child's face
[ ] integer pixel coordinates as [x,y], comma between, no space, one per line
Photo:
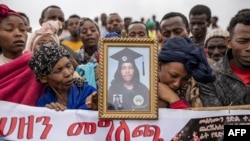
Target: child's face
[13,36]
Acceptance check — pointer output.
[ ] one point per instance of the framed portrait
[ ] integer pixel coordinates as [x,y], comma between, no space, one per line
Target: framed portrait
[128,79]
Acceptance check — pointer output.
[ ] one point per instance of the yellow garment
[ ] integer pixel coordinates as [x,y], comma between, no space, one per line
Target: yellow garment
[152,34]
[75,46]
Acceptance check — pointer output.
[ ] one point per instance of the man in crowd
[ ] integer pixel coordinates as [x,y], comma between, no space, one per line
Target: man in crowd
[233,73]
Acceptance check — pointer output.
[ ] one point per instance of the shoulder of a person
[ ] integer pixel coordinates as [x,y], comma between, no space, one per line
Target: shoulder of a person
[65,38]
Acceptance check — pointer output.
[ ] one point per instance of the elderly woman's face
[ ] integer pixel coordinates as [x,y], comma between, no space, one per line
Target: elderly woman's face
[127,71]
[61,76]
[173,74]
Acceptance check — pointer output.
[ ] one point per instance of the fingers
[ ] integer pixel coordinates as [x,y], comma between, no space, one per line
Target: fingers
[92,101]
[167,94]
[57,106]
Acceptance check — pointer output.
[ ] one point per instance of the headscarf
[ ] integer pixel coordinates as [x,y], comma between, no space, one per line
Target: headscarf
[183,50]
[150,24]
[5,11]
[45,58]
[216,33]
[49,28]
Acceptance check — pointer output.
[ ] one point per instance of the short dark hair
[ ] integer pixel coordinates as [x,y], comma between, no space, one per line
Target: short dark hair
[115,14]
[138,22]
[243,10]
[45,9]
[74,16]
[215,17]
[201,9]
[240,17]
[82,22]
[176,14]
[24,15]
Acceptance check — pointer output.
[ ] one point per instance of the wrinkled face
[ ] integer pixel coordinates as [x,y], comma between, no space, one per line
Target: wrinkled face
[54,14]
[173,27]
[115,24]
[173,74]
[43,40]
[127,71]
[198,25]
[13,36]
[216,48]
[89,34]
[240,44]
[61,76]
[72,26]
[137,31]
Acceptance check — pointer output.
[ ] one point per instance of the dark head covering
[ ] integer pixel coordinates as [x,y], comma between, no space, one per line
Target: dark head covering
[45,58]
[6,11]
[126,55]
[183,50]
[112,35]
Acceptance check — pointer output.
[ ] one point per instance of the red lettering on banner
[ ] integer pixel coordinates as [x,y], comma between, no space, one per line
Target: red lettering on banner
[123,127]
[106,123]
[23,125]
[145,131]
[29,125]
[47,128]
[76,128]
[13,124]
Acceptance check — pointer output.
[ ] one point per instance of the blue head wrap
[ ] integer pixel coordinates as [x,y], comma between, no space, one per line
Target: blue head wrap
[112,34]
[183,50]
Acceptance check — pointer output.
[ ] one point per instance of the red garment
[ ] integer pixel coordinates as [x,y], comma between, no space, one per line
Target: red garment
[181,104]
[18,83]
[206,52]
[244,75]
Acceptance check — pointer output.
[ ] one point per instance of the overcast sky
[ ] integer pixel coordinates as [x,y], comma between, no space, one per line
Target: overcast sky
[136,9]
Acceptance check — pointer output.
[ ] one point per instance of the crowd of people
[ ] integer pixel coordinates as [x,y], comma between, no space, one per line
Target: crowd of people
[56,66]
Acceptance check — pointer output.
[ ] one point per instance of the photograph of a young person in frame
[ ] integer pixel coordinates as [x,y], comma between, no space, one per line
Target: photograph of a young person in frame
[126,91]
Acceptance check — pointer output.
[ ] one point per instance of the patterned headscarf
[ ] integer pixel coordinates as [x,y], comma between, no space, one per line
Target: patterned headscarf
[49,28]
[183,50]
[5,11]
[45,58]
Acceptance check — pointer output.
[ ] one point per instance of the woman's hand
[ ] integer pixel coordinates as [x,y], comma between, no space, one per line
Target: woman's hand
[92,101]
[166,94]
[56,105]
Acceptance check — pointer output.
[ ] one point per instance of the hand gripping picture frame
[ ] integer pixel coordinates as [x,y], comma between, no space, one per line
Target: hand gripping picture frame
[128,78]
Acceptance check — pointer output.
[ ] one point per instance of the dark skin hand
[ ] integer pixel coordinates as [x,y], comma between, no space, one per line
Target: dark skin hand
[92,101]
[56,105]
[166,95]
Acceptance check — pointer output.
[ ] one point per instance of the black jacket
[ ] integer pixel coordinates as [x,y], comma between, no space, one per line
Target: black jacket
[227,89]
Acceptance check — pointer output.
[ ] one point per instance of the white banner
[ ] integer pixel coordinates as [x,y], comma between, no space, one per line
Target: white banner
[20,122]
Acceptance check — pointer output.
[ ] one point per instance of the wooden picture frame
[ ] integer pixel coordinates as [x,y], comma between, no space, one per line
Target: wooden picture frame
[116,102]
